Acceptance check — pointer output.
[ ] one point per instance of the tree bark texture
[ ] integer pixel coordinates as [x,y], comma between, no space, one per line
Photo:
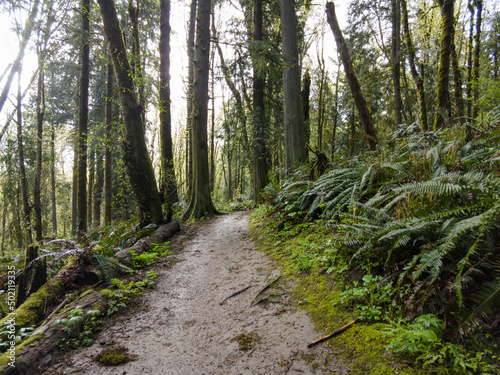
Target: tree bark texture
[306,93]
[91,181]
[81,220]
[418,78]
[470,62]
[295,148]
[108,163]
[477,52]
[201,201]
[99,179]
[443,108]
[189,130]
[395,63]
[137,161]
[168,184]
[259,159]
[359,99]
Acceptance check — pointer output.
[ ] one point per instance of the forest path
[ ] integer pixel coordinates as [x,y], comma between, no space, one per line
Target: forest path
[181,327]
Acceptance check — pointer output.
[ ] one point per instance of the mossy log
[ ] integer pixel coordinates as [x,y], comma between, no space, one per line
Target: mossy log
[163,233]
[34,354]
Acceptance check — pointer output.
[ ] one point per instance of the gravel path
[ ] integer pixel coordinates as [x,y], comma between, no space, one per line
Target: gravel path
[181,327]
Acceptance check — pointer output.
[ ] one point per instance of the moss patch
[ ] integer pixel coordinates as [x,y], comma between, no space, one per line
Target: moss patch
[246,341]
[114,357]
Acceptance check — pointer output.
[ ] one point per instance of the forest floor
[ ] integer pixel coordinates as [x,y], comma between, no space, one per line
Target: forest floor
[181,327]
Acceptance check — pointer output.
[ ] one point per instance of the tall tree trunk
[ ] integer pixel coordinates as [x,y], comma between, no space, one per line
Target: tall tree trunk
[40,113]
[16,66]
[99,178]
[108,162]
[212,113]
[168,185]
[22,170]
[53,180]
[306,93]
[137,161]
[295,148]
[189,130]
[259,155]
[201,201]
[477,52]
[470,48]
[457,81]
[395,63]
[418,78]
[443,108]
[90,195]
[74,190]
[359,99]
[81,221]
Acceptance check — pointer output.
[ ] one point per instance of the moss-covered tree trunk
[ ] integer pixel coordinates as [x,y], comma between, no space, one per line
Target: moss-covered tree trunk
[443,107]
[259,155]
[359,99]
[168,186]
[81,217]
[189,130]
[201,201]
[418,78]
[295,148]
[136,157]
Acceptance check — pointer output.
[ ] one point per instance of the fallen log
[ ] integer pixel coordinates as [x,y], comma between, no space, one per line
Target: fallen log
[35,353]
[163,233]
[335,333]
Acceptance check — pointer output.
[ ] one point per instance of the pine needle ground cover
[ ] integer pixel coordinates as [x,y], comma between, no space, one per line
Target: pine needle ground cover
[406,238]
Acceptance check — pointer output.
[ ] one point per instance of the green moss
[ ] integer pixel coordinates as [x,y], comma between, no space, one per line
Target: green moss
[4,357]
[361,346]
[246,341]
[30,311]
[114,356]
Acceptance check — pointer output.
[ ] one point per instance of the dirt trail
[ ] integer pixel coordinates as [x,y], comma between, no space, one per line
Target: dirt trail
[180,327]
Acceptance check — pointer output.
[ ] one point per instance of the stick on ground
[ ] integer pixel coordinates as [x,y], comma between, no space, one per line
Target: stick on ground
[265,288]
[235,294]
[341,329]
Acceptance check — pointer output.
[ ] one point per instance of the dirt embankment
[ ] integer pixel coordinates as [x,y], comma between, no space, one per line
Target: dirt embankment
[182,328]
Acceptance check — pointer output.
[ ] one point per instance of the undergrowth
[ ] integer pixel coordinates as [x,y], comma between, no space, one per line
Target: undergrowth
[413,230]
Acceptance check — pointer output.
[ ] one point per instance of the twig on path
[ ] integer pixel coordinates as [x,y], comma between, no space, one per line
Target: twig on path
[264,289]
[235,294]
[340,330]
